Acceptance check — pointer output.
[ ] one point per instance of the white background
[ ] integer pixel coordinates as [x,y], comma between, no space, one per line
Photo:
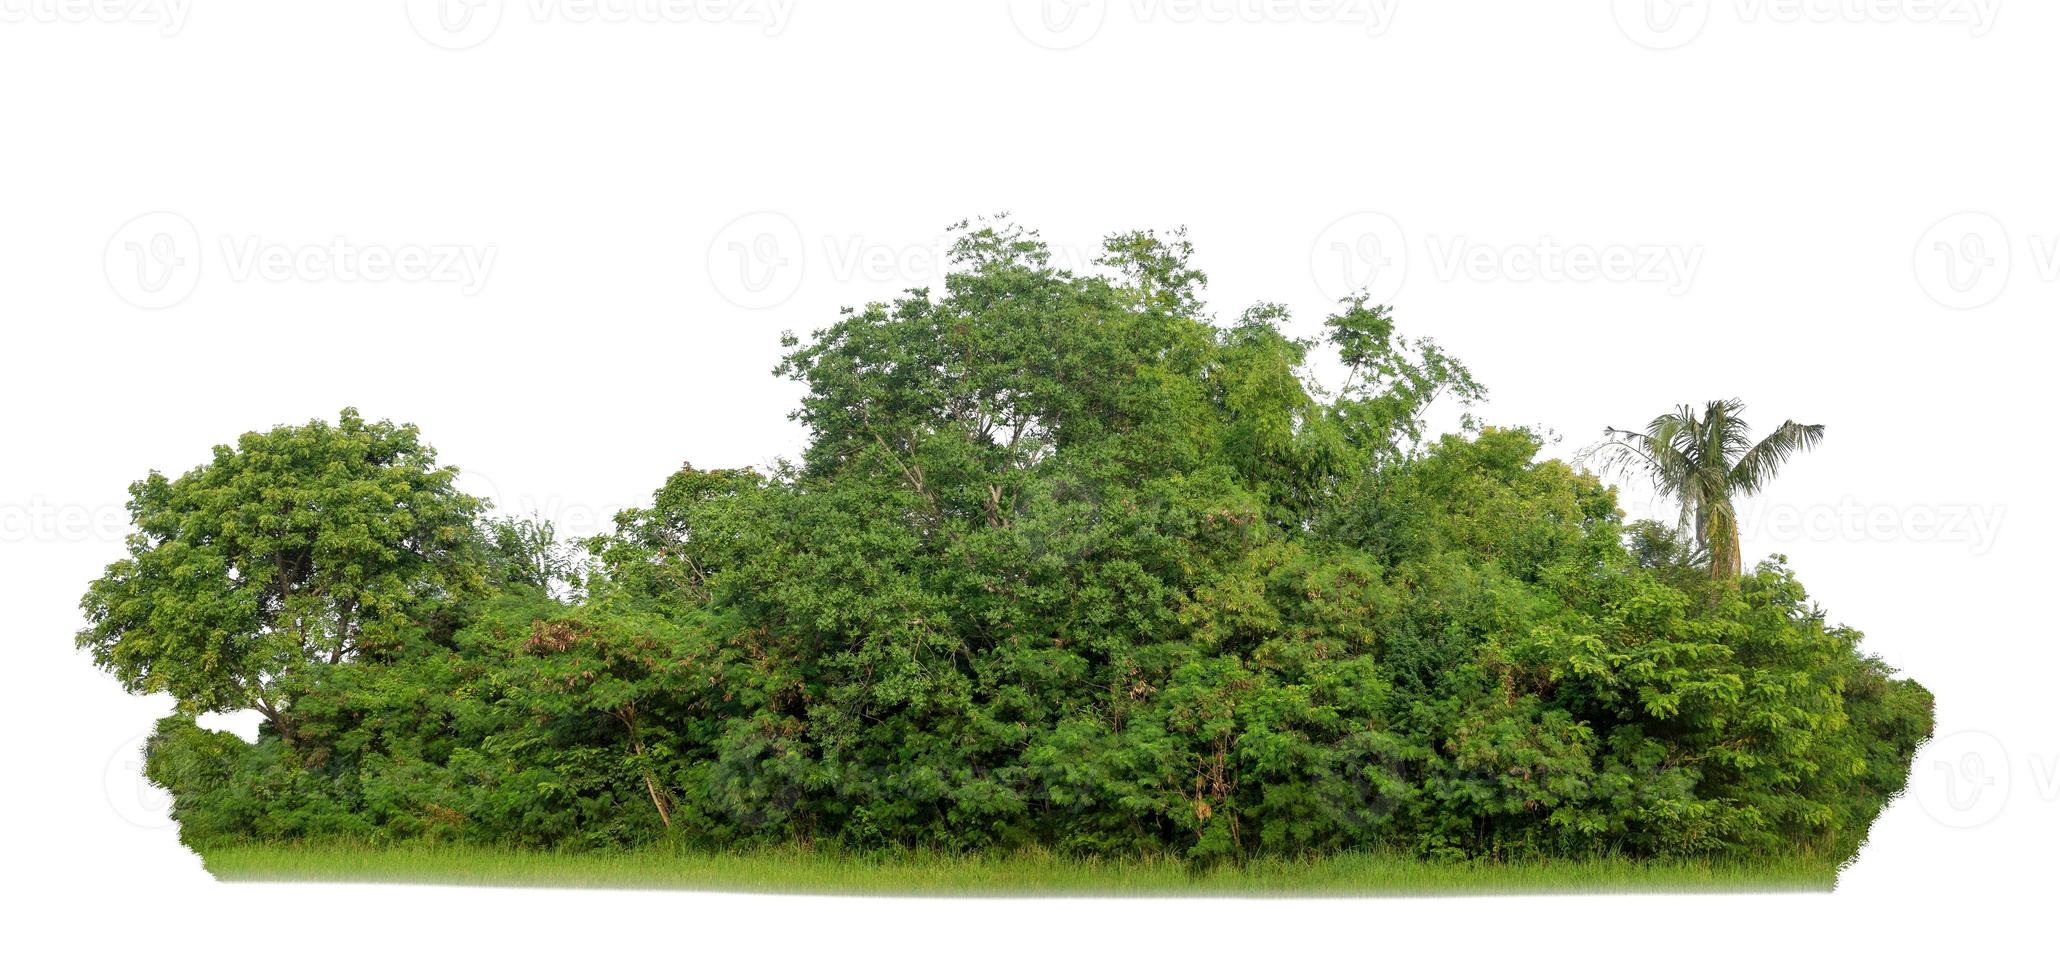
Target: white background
[221,216]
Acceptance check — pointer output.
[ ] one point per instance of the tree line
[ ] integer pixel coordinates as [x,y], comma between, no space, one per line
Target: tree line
[1066,563]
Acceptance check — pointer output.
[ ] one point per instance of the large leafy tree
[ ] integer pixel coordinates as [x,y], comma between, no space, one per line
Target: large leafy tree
[1706,461]
[302,546]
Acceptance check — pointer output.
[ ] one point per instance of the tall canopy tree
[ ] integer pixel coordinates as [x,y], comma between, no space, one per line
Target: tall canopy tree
[304,545]
[1706,461]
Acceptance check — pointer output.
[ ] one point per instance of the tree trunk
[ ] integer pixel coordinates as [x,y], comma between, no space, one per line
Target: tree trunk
[1719,533]
[658,800]
[1725,562]
[279,723]
[636,746]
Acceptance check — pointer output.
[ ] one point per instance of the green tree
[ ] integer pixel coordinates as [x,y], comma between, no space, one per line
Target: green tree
[1393,379]
[525,553]
[302,546]
[1706,461]
[601,677]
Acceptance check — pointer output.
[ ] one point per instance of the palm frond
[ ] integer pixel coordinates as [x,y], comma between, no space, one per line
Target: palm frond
[1757,466]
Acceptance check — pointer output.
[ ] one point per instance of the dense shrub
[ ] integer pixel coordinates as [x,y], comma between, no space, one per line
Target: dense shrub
[1064,564]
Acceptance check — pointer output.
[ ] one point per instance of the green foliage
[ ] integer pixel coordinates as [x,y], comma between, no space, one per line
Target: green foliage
[1065,566]
[295,548]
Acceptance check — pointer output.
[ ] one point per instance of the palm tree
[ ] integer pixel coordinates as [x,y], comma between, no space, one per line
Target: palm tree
[1705,462]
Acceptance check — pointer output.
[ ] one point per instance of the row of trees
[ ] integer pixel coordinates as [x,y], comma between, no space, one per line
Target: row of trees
[1065,563]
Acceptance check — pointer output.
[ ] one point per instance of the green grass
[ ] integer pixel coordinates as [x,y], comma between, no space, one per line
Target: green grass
[796,871]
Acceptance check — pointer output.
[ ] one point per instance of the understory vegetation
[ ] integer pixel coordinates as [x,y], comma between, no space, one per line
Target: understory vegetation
[1066,568]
